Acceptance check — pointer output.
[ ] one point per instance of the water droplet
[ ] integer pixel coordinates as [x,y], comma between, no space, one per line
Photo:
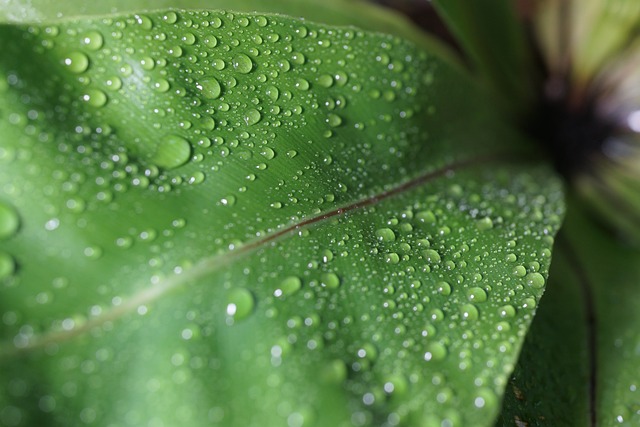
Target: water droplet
[535,280]
[95,97]
[435,351]
[210,88]
[325,80]
[334,372]
[330,281]
[476,294]
[289,286]
[302,84]
[507,311]
[170,17]
[242,63]
[252,116]
[92,40]
[7,265]
[298,58]
[443,288]
[385,235]
[76,62]
[334,120]
[469,312]
[9,221]
[431,256]
[484,224]
[172,151]
[426,217]
[240,303]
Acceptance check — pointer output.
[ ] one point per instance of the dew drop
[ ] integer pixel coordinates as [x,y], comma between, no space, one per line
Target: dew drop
[334,120]
[476,294]
[431,256]
[535,280]
[385,235]
[507,311]
[240,303]
[92,40]
[95,98]
[76,62]
[289,286]
[273,93]
[435,351]
[484,224]
[242,63]
[325,80]
[209,88]
[252,116]
[469,312]
[172,151]
[330,280]
[7,265]
[443,288]
[9,221]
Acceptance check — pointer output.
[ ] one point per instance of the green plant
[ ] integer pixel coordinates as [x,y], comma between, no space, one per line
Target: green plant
[238,218]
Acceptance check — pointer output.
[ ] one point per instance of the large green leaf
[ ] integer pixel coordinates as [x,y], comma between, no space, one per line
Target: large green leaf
[584,343]
[238,219]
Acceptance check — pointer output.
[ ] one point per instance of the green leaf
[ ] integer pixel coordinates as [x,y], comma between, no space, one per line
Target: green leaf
[584,341]
[360,13]
[236,219]
[494,40]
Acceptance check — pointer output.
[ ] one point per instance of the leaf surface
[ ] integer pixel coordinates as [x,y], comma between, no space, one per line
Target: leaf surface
[214,218]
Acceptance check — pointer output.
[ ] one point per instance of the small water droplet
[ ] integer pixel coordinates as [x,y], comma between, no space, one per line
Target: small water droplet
[172,151]
[385,235]
[289,286]
[7,265]
[484,224]
[210,88]
[242,63]
[435,351]
[334,120]
[535,280]
[9,221]
[240,304]
[476,294]
[469,312]
[76,62]
[443,288]
[95,97]
[252,116]
[431,256]
[330,281]
[92,40]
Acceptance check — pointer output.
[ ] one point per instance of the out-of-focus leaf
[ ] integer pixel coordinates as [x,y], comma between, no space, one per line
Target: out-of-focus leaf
[584,344]
[494,41]
[232,219]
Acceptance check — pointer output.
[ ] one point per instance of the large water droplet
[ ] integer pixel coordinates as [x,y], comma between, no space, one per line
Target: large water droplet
[92,40]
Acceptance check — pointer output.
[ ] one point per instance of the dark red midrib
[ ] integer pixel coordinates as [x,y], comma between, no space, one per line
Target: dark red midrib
[377,198]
